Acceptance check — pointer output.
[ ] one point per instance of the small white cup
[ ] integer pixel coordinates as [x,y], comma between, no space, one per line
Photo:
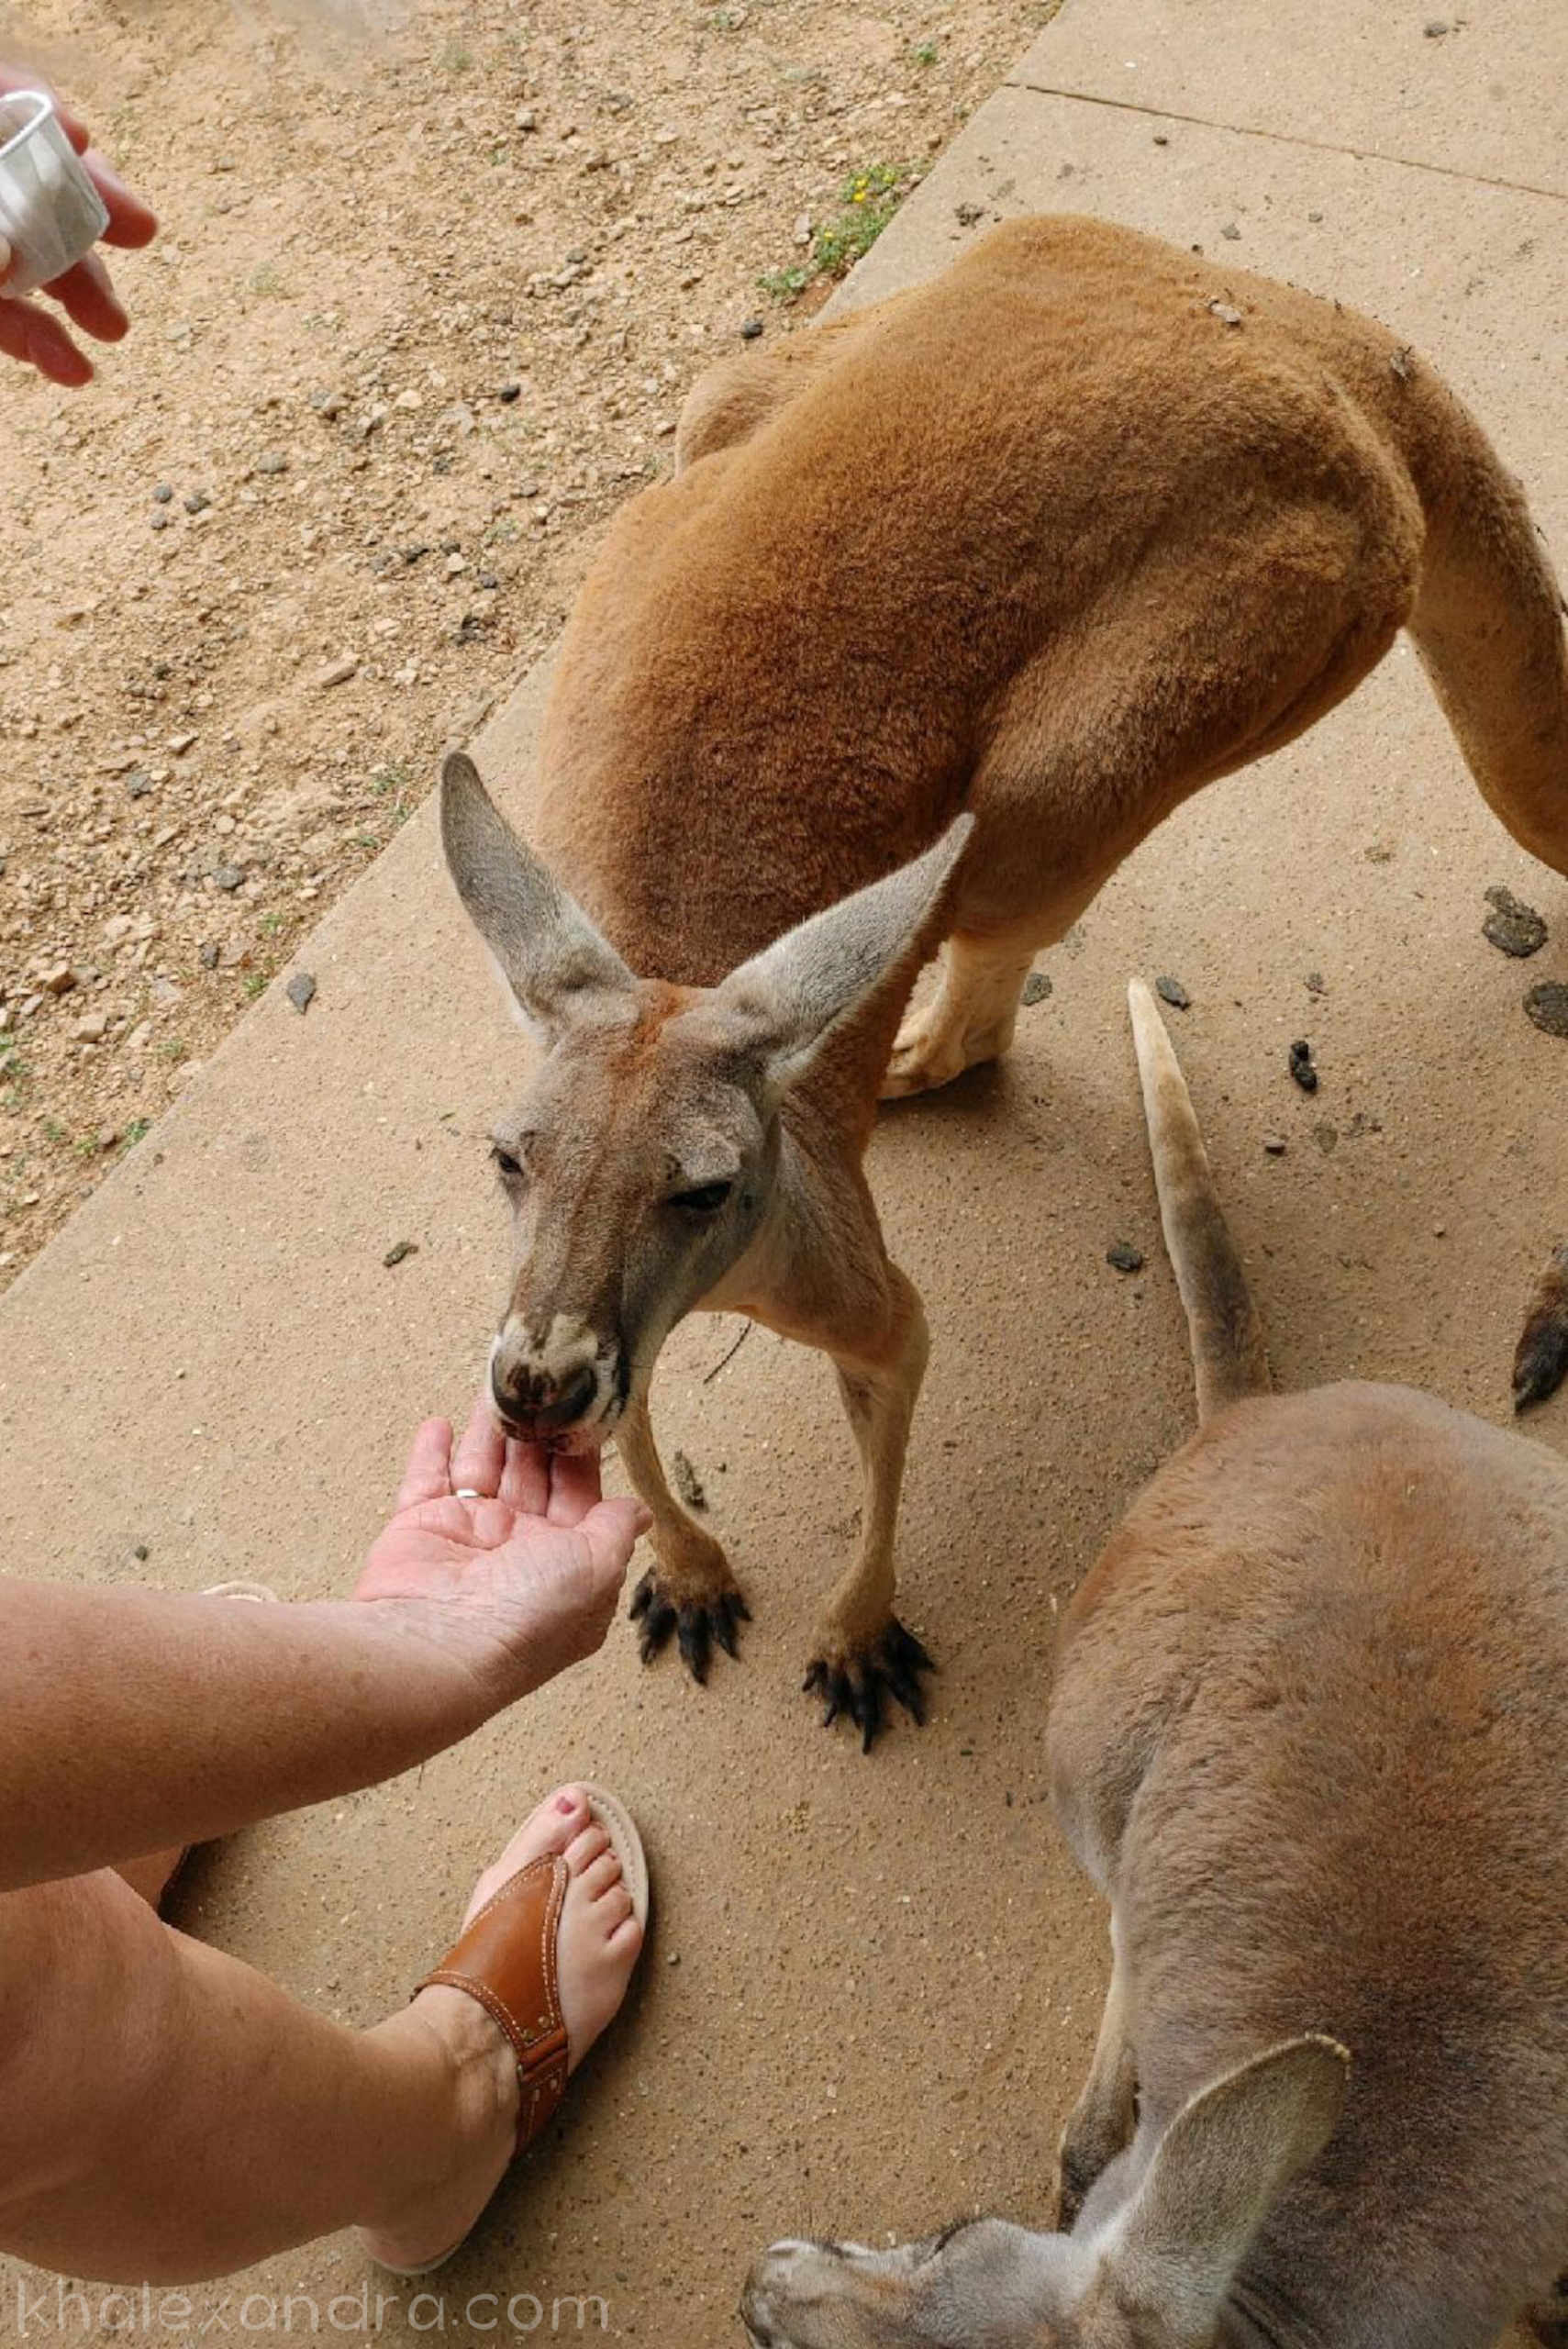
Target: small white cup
[51,213]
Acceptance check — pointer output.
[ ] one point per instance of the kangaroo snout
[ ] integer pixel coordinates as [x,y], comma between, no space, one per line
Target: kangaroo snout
[546,1388]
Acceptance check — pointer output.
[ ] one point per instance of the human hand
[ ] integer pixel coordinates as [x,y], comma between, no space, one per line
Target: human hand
[31,333]
[516,1583]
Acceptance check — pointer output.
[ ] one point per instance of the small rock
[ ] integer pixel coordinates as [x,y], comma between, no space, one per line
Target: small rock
[1275,1145]
[1436,27]
[487,579]
[1172,991]
[272,460]
[508,393]
[60,981]
[196,501]
[399,1250]
[1315,216]
[141,1037]
[526,118]
[337,672]
[1231,231]
[1547,1007]
[749,329]
[301,991]
[160,521]
[1225,314]
[1514,928]
[180,743]
[1037,987]
[107,1137]
[455,562]
[210,954]
[1126,1259]
[162,494]
[93,1028]
[1301,1066]
[688,1484]
[328,404]
[1161,140]
[227,877]
[142,1554]
[137,784]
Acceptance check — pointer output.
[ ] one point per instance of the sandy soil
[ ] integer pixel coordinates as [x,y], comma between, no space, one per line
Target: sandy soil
[424,309]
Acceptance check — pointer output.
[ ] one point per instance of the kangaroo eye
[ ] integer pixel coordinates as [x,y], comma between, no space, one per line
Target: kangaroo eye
[706,1199]
[507,1164]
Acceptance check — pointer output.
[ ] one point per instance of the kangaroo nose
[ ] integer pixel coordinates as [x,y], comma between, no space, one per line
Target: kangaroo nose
[537,1401]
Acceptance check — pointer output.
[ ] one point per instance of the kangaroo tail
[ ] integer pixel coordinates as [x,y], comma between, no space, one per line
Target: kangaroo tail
[1488,622]
[1229,1360]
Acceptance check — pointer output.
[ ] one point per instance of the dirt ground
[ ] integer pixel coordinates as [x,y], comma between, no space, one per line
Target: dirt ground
[426,303]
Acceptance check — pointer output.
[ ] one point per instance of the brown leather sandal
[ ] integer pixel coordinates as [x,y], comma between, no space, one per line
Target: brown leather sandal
[505,1958]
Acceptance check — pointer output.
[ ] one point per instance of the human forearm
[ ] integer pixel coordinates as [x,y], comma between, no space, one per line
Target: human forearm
[134,1720]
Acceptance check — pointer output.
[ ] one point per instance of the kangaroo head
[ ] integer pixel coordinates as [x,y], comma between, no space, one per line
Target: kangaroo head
[1152,2273]
[643,1160]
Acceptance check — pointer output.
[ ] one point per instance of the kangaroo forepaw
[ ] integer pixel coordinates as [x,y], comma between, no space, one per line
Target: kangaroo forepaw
[1541,1362]
[856,1684]
[695,1622]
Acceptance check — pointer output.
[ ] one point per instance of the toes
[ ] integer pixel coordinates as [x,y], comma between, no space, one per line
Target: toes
[613,1908]
[600,1874]
[626,1942]
[859,1687]
[653,1614]
[696,1624]
[693,1632]
[559,1818]
[585,1848]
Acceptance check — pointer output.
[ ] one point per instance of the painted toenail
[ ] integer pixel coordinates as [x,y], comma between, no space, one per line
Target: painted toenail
[566,1805]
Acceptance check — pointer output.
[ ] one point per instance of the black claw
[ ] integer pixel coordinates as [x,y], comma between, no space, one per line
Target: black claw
[693,1633]
[890,1667]
[657,1625]
[696,1624]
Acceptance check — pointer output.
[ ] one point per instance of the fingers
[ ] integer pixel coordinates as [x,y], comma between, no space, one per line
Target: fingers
[573,1486]
[40,339]
[481,1453]
[611,1530]
[86,293]
[428,1477]
[131,222]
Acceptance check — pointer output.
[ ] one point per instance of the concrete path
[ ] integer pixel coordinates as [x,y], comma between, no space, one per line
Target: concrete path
[874,1985]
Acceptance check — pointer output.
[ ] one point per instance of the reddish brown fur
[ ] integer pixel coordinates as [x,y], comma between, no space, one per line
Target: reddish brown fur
[1137,547]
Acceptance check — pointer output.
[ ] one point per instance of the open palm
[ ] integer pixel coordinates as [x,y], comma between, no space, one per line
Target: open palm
[510,1556]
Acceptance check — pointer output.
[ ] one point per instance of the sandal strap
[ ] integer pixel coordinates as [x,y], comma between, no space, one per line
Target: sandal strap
[505,1958]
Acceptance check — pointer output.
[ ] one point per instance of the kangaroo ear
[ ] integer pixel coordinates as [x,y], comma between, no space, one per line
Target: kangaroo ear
[783,1002]
[1217,2171]
[549,954]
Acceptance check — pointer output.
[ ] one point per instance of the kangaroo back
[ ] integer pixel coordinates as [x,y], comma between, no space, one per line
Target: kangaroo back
[1488,622]
[1229,1358]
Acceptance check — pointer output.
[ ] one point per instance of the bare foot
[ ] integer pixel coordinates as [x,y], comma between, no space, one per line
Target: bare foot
[599,1943]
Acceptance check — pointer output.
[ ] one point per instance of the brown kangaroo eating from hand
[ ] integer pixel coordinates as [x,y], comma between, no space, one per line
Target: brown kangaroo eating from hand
[1309,1736]
[1044,545]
